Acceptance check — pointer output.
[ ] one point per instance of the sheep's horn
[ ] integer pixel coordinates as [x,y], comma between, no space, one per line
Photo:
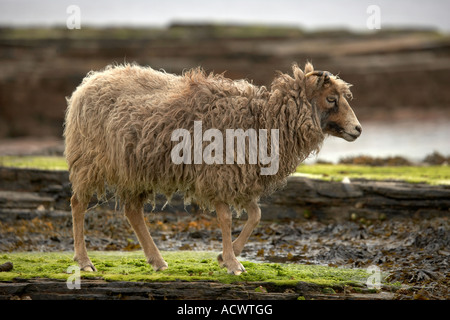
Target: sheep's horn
[318,73]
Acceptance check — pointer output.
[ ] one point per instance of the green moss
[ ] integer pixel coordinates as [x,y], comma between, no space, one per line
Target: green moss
[428,174]
[328,290]
[183,265]
[34,162]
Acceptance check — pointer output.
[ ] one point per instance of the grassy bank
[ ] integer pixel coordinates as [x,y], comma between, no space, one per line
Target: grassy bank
[183,265]
[434,175]
[34,162]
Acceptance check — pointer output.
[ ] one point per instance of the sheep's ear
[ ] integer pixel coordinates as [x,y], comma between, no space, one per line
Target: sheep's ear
[308,67]
[298,73]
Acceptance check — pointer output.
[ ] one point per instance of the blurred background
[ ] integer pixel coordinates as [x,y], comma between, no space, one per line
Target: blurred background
[395,53]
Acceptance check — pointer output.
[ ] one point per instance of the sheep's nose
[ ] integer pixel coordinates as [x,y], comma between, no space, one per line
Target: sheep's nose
[358,128]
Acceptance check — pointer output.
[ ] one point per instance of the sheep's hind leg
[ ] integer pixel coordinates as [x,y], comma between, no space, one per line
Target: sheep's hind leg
[81,256]
[135,216]
[227,258]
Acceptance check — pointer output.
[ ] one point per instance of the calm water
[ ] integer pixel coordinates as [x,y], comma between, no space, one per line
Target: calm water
[410,139]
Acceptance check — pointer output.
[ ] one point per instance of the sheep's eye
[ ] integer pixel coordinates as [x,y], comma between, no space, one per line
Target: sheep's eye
[331,99]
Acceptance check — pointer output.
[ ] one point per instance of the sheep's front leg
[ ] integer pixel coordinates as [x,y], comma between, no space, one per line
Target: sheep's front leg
[135,216]
[254,216]
[227,258]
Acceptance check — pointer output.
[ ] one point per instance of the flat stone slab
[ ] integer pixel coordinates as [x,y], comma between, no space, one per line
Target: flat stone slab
[25,200]
[48,289]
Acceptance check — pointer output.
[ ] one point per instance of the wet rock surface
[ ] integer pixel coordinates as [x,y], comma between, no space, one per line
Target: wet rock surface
[412,252]
[411,247]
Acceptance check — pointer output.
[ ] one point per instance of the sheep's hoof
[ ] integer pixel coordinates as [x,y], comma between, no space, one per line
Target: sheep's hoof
[90,268]
[233,267]
[86,265]
[160,266]
[236,272]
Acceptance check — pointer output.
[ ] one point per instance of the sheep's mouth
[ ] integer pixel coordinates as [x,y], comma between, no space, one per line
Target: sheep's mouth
[336,130]
[349,137]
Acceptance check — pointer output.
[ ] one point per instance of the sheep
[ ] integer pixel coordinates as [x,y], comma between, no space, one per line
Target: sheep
[119,136]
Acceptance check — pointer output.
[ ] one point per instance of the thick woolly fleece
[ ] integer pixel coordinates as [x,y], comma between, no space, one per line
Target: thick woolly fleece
[120,120]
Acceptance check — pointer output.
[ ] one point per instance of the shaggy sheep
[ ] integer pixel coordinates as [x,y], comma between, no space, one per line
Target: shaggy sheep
[119,134]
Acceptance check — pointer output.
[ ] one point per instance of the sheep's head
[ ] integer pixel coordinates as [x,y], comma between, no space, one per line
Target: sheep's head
[329,95]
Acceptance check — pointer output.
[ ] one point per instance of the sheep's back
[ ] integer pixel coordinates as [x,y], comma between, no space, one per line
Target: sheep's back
[119,126]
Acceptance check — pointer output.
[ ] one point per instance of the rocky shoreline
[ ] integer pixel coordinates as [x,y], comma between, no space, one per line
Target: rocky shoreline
[402,228]
[49,191]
